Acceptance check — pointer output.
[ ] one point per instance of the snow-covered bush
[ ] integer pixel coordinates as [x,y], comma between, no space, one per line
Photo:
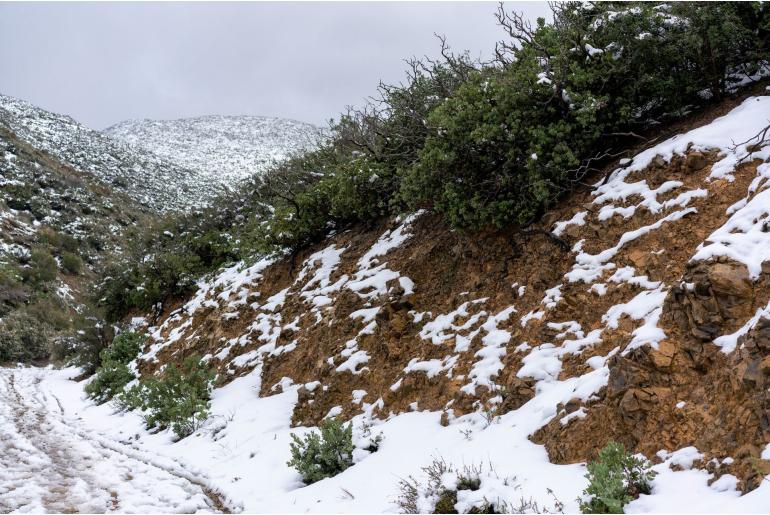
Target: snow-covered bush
[615,479]
[324,454]
[444,488]
[439,492]
[114,374]
[179,399]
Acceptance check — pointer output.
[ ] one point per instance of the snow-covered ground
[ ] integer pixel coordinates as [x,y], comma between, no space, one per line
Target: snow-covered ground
[223,149]
[62,452]
[53,461]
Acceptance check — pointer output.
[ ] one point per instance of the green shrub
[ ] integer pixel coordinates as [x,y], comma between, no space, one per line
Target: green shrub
[23,338]
[323,455]
[71,263]
[13,293]
[615,479]
[41,268]
[114,374]
[109,381]
[179,399]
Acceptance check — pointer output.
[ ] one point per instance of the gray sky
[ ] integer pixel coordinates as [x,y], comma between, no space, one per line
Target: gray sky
[106,62]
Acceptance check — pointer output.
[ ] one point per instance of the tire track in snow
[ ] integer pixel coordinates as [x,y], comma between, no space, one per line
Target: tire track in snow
[52,464]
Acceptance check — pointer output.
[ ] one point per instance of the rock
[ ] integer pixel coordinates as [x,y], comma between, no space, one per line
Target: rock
[640,258]
[730,279]
[572,406]
[664,355]
[695,161]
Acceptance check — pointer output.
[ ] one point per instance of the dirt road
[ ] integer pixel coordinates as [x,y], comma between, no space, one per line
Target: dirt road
[49,462]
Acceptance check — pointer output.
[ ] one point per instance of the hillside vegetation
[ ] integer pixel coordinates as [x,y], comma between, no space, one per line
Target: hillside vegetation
[484,144]
[497,285]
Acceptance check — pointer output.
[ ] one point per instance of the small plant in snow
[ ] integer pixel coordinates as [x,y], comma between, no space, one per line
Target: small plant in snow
[324,454]
[114,374]
[179,399]
[368,440]
[439,493]
[615,479]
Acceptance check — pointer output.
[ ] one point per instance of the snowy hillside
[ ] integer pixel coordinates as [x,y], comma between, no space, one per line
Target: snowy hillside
[141,174]
[647,323]
[224,149]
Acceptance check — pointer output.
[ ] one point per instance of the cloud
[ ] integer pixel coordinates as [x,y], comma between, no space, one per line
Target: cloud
[105,62]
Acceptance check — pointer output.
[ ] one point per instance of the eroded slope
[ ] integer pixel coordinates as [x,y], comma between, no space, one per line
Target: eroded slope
[637,315]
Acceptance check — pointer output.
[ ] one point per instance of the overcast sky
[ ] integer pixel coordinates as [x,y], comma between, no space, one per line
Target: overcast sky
[106,62]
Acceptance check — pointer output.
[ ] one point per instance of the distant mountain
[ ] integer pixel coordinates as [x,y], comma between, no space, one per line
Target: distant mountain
[222,149]
[157,183]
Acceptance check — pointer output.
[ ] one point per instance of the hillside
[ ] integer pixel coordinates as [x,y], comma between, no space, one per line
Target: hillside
[59,224]
[138,173]
[535,284]
[222,149]
[637,316]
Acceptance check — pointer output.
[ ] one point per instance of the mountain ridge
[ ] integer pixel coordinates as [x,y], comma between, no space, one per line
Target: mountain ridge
[223,148]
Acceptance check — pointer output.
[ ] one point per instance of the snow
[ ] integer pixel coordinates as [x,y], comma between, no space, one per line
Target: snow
[222,149]
[245,447]
[744,237]
[578,219]
[52,462]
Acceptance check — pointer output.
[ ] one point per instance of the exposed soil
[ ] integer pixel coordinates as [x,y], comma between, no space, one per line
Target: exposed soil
[685,392]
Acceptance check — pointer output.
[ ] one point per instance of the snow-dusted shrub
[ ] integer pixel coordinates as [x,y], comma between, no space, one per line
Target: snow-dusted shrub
[324,454]
[444,488]
[114,374]
[23,338]
[615,479]
[179,399]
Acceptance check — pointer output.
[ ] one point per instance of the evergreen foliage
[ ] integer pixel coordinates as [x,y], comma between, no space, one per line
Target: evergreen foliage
[323,455]
[615,479]
[71,263]
[23,338]
[486,144]
[114,374]
[179,399]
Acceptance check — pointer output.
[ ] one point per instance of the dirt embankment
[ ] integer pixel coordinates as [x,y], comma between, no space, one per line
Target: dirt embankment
[461,333]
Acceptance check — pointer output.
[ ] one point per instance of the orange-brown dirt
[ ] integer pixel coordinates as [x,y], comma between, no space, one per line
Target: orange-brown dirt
[726,395]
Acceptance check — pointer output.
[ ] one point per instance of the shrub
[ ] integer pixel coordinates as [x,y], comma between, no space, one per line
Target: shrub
[323,455]
[615,479]
[71,263]
[114,374]
[23,338]
[179,399]
[41,268]
[12,292]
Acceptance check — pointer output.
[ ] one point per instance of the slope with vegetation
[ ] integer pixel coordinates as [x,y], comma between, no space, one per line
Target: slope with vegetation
[58,223]
[223,149]
[518,262]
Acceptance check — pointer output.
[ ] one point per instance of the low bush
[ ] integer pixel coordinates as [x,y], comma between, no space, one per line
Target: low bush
[13,293]
[179,399]
[41,268]
[71,263]
[324,454]
[114,374]
[23,338]
[614,480]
